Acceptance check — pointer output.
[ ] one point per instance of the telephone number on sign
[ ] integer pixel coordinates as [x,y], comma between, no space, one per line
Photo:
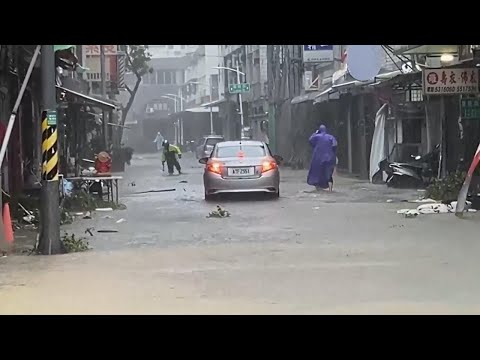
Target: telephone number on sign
[451,89]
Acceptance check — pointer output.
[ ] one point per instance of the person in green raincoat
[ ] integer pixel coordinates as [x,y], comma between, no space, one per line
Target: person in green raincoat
[170,155]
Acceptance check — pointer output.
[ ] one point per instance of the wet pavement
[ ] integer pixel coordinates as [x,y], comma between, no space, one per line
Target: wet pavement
[341,252]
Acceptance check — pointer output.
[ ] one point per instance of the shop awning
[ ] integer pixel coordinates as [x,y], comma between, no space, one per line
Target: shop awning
[329,94]
[93,101]
[305,97]
[63,47]
[429,50]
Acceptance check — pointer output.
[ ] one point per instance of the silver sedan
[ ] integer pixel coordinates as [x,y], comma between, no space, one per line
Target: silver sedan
[241,167]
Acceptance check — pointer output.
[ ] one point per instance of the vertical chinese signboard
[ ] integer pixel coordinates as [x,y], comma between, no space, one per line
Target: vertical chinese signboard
[450,81]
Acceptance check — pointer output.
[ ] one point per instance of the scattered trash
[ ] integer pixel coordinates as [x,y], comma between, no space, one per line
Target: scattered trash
[472,210]
[389,201]
[183,182]
[103,209]
[88,215]
[67,187]
[434,209]
[78,214]
[468,205]
[120,220]
[219,213]
[107,217]
[155,191]
[408,213]
[316,208]
[107,231]
[89,231]
[29,218]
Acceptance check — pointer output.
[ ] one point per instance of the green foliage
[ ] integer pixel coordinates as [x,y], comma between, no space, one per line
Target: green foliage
[446,189]
[137,60]
[74,244]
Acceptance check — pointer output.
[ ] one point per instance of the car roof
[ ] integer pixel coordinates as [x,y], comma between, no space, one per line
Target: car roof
[243,142]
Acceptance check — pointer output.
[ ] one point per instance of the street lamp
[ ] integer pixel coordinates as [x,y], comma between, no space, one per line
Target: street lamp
[239,94]
[211,113]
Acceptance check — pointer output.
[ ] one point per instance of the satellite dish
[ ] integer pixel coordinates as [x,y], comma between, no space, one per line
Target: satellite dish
[364,61]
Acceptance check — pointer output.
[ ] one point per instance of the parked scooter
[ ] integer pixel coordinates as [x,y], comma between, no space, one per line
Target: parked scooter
[417,173]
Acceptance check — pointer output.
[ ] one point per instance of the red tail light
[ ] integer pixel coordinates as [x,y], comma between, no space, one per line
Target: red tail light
[268,165]
[215,167]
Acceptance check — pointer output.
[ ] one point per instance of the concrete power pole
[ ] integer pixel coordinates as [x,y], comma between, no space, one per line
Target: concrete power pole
[104,94]
[50,242]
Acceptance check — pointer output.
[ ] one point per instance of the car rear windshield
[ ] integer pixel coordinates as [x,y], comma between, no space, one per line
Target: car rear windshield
[234,151]
[213,141]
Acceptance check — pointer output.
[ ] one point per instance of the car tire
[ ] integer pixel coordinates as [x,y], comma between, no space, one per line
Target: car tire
[275,196]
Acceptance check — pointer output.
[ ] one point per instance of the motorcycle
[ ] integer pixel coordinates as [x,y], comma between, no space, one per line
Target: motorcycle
[419,172]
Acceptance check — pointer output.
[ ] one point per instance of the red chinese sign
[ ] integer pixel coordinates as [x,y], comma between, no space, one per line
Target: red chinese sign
[94,50]
[450,81]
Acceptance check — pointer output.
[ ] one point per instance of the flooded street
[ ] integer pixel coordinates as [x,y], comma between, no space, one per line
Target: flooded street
[306,253]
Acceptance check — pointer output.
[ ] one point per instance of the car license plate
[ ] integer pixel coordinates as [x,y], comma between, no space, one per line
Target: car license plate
[248,171]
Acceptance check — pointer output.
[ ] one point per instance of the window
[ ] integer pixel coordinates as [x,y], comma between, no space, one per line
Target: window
[168,77]
[160,77]
[213,141]
[234,151]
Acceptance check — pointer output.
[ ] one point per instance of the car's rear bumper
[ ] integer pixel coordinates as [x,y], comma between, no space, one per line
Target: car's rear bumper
[267,183]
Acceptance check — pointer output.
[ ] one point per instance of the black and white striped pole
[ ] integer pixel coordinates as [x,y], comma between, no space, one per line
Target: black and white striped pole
[49,243]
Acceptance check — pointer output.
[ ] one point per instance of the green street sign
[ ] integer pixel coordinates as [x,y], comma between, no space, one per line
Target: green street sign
[239,88]
[52,117]
[470,108]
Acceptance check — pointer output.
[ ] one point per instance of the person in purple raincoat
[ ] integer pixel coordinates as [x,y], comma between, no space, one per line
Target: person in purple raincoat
[324,159]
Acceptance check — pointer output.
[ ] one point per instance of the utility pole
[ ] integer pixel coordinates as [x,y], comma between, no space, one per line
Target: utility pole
[49,243]
[104,94]
[241,102]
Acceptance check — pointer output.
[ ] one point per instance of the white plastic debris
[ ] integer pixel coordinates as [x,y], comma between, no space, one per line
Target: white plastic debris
[316,208]
[468,204]
[430,201]
[103,209]
[389,201]
[88,215]
[29,218]
[434,209]
[120,220]
[472,210]
[408,213]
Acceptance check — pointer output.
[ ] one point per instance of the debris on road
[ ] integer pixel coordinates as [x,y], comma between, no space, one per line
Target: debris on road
[219,213]
[107,231]
[155,191]
[89,231]
[389,201]
[408,213]
[316,208]
[183,182]
[88,215]
[119,221]
[434,209]
[103,209]
[107,217]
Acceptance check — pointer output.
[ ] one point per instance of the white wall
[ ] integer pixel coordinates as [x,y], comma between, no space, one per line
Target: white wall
[202,70]
[166,51]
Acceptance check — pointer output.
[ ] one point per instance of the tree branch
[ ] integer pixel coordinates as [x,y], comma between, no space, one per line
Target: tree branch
[128,89]
[130,101]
